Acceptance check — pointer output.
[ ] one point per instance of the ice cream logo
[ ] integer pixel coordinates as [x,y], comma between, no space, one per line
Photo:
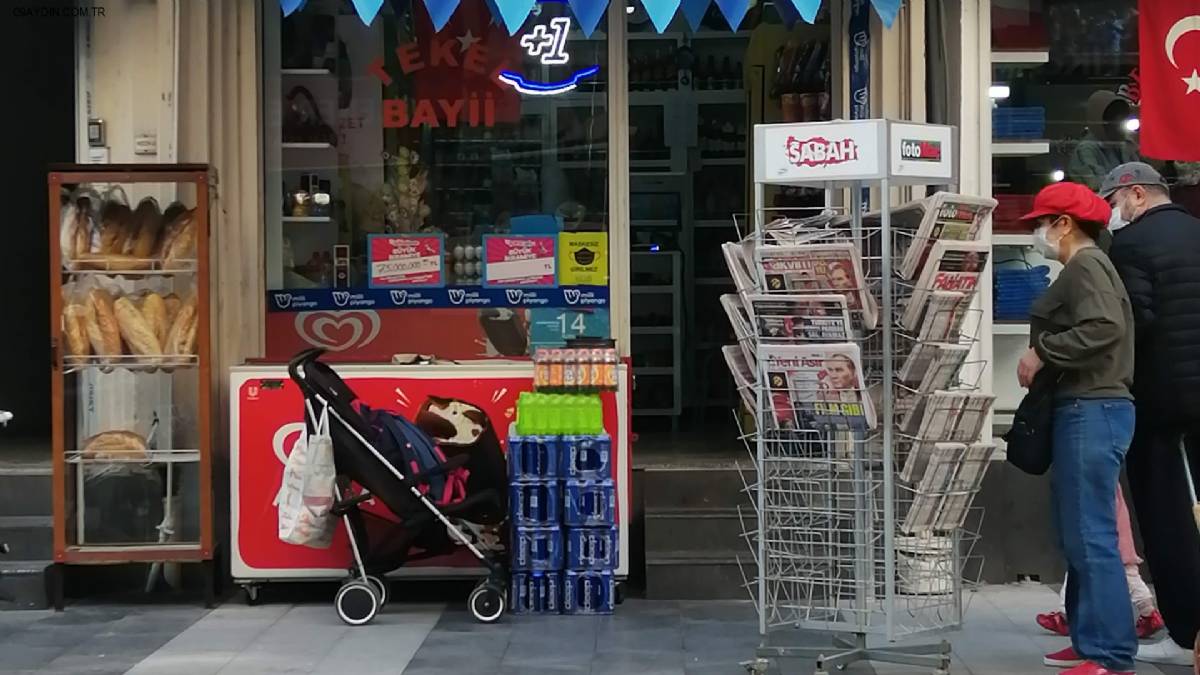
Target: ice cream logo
[399,298]
[818,151]
[571,295]
[285,438]
[338,331]
[340,298]
[457,295]
[283,300]
[515,296]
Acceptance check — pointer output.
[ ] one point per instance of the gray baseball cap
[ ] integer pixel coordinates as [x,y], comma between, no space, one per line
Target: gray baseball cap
[1131,173]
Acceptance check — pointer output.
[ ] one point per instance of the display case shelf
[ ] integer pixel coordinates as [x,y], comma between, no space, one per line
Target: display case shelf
[1020,148]
[300,145]
[1029,57]
[1012,239]
[307,219]
[1010,328]
[306,72]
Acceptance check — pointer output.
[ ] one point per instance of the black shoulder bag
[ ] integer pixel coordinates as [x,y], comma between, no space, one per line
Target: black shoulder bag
[1031,437]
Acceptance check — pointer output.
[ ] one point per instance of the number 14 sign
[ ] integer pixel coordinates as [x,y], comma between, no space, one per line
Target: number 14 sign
[552,327]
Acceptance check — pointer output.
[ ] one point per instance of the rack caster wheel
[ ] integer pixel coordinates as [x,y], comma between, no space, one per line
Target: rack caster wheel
[487,602]
[357,603]
[381,589]
[253,598]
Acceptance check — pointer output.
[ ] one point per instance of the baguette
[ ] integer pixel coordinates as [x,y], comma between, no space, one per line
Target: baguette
[182,245]
[173,304]
[115,224]
[75,329]
[115,445]
[137,332]
[148,225]
[154,308]
[182,338]
[102,329]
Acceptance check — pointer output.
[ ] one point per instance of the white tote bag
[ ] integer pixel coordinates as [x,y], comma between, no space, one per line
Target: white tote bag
[306,494]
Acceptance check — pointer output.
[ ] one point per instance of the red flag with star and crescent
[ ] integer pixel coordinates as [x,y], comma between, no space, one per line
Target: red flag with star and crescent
[1169,45]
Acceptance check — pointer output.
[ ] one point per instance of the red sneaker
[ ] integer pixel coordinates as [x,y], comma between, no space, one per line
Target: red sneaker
[1090,668]
[1055,622]
[1150,624]
[1066,658]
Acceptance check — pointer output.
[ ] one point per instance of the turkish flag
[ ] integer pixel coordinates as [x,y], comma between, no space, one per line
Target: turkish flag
[1169,42]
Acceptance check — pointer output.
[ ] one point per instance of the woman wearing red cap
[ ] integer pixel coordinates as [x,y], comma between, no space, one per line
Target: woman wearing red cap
[1081,337]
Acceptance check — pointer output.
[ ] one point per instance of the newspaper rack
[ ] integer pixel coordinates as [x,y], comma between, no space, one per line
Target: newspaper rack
[866,433]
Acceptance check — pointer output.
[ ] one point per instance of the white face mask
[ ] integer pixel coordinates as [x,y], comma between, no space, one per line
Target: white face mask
[1115,221]
[1042,243]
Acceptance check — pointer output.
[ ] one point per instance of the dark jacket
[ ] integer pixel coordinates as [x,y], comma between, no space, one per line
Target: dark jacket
[1083,326]
[1158,258]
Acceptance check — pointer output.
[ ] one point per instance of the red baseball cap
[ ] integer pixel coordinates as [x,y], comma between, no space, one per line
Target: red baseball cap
[1069,199]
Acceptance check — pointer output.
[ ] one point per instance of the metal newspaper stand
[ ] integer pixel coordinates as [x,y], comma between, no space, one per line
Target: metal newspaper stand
[861,523]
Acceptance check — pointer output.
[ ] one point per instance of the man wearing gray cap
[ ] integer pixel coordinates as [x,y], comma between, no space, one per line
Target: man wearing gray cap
[1156,250]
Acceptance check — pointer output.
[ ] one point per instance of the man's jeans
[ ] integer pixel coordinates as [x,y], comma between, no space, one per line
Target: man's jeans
[1091,437]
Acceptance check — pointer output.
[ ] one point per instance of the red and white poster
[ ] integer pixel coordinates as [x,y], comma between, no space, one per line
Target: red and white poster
[1169,39]
[267,416]
[520,260]
[406,260]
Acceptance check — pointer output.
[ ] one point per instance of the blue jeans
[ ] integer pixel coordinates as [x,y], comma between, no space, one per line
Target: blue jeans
[1091,437]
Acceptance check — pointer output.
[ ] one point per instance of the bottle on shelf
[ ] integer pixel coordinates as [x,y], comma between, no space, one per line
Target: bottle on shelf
[726,77]
[711,69]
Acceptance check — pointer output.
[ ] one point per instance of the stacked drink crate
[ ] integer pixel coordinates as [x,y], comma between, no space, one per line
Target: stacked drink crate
[562,496]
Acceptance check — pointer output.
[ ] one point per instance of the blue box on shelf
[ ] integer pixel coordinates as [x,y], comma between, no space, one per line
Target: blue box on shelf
[537,549]
[533,457]
[536,593]
[592,548]
[589,503]
[589,592]
[535,502]
[586,457]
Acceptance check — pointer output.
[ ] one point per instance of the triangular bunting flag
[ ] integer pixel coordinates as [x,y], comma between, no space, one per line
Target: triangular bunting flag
[289,6]
[514,13]
[440,11]
[733,11]
[807,8]
[367,9]
[661,12]
[787,12]
[887,11]
[588,14]
[694,11]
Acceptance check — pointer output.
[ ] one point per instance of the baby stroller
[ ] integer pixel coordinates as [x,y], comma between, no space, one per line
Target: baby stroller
[424,530]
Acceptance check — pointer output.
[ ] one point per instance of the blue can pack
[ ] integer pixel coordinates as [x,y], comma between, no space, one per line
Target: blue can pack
[592,548]
[533,458]
[535,502]
[590,503]
[589,592]
[535,593]
[537,548]
[586,457]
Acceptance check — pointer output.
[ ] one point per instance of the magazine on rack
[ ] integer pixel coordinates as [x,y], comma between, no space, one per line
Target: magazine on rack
[735,309]
[943,316]
[964,486]
[743,375]
[818,268]
[943,416]
[933,365]
[801,230]
[952,266]
[800,318]
[950,483]
[945,216]
[738,268]
[817,386]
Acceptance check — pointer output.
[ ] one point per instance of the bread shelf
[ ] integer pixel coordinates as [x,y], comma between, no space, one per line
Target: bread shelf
[136,267]
[307,219]
[297,145]
[146,457]
[73,364]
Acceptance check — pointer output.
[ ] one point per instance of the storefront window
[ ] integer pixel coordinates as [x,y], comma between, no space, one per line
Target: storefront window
[439,192]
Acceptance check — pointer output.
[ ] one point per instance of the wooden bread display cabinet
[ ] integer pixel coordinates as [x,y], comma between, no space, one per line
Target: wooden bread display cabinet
[131,388]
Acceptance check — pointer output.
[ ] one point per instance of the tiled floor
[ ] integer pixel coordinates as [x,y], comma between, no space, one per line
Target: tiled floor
[644,637]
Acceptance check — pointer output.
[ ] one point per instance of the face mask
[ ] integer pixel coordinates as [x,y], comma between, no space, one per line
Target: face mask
[1043,245]
[1115,221]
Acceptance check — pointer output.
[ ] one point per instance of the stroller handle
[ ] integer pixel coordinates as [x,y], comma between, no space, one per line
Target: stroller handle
[296,365]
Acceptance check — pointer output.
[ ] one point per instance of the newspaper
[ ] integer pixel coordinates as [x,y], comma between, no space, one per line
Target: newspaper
[933,365]
[963,488]
[945,216]
[945,493]
[943,316]
[738,269]
[816,386]
[735,309]
[952,266]
[818,268]
[743,375]
[944,416]
[800,318]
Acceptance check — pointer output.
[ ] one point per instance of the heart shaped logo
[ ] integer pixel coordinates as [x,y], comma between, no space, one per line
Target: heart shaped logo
[571,295]
[338,331]
[399,297]
[285,437]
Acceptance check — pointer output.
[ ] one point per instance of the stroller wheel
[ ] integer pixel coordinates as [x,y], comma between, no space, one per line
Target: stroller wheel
[487,603]
[356,603]
[381,589]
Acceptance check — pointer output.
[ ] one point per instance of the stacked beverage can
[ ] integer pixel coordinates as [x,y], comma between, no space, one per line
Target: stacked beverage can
[535,503]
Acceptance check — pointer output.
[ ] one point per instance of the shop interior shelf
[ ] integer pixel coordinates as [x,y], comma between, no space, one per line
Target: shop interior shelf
[150,457]
[714,281]
[722,161]
[307,219]
[653,370]
[646,290]
[130,267]
[1010,328]
[1020,148]
[309,72]
[1033,57]
[649,223]
[715,224]
[298,145]
[655,412]
[1012,239]
[73,364]
[652,330]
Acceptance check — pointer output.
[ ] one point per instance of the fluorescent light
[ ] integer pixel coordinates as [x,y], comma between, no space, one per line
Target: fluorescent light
[1057,175]
[998,92]
[629,9]
[1133,124]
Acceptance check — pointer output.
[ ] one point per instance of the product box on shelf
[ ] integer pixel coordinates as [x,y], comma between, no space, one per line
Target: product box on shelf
[591,548]
[588,592]
[589,503]
[537,549]
[536,593]
[534,458]
[586,457]
[535,502]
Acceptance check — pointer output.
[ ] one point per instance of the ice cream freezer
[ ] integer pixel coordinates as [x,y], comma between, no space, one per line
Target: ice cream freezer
[476,400]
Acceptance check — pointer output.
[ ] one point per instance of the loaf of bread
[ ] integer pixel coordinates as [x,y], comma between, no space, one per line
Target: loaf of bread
[182,338]
[75,335]
[116,222]
[113,262]
[115,445]
[136,331]
[148,225]
[173,304]
[182,243]
[102,329]
[154,308]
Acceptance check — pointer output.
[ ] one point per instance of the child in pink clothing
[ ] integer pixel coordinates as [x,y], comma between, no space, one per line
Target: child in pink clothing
[1149,620]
